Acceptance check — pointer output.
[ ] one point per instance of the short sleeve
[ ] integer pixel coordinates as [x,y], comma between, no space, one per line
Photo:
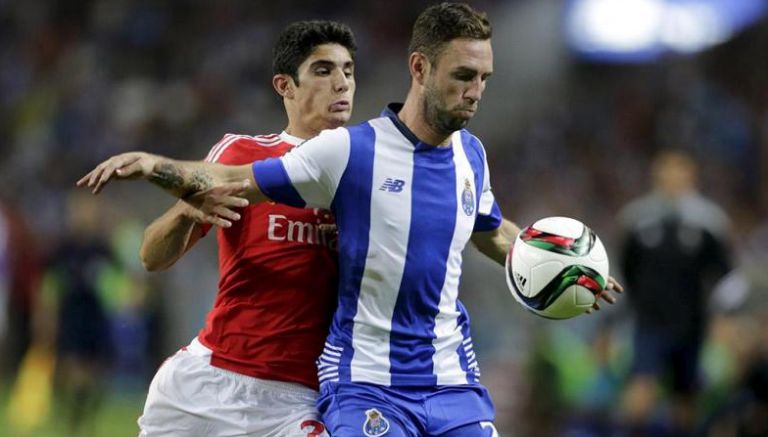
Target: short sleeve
[308,175]
[218,153]
[488,213]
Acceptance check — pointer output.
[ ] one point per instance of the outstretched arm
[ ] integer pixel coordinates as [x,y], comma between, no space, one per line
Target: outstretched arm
[182,179]
[213,189]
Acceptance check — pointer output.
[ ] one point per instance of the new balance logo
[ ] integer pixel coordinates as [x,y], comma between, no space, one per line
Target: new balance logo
[392,185]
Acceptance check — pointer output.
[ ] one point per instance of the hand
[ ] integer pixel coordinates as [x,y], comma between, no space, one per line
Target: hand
[131,165]
[611,285]
[215,206]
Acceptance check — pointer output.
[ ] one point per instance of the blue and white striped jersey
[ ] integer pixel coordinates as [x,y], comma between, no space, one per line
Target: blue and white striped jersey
[405,210]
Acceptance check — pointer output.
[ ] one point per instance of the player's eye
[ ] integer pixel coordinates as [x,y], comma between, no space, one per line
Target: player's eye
[348,74]
[322,71]
[464,77]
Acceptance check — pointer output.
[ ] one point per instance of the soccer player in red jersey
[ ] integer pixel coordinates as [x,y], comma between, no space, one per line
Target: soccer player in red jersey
[251,370]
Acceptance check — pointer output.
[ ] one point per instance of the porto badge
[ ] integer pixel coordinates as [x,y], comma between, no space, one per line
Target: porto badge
[375,423]
[467,199]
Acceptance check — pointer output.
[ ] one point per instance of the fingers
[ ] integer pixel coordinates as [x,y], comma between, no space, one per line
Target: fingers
[103,173]
[607,297]
[205,218]
[233,189]
[224,212]
[233,202]
[217,221]
[131,170]
[614,285]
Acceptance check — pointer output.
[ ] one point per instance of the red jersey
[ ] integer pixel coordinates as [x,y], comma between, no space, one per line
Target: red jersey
[278,276]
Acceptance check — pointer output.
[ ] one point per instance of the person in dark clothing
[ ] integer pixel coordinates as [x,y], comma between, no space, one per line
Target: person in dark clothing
[675,247]
[82,331]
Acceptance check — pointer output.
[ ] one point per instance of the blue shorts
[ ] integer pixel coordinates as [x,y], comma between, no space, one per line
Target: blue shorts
[359,409]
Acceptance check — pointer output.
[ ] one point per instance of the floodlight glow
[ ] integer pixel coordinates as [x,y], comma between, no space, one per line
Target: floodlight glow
[617,25]
[691,27]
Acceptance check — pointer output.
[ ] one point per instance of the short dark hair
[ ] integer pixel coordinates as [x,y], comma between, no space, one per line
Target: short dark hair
[440,24]
[296,42]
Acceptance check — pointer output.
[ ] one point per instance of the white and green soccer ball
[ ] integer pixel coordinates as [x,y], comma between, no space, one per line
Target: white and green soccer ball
[557,267]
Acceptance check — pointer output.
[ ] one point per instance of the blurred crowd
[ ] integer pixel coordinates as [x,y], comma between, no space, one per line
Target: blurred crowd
[82,80]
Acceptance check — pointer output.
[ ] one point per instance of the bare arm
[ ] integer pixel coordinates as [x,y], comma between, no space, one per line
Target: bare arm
[169,237]
[214,190]
[496,243]
[182,179]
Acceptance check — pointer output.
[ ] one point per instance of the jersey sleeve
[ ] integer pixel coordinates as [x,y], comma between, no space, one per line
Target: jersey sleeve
[224,152]
[488,212]
[309,175]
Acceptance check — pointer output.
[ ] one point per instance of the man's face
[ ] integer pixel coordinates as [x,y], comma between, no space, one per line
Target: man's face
[326,87]
[455,84]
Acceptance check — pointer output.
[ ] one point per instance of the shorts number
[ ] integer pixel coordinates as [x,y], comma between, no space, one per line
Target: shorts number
[317,427]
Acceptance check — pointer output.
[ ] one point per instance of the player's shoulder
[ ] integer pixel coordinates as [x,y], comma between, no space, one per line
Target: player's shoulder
[334,136]
[702,212]
[642,212]
[236,146]
[265,140]
[472,144]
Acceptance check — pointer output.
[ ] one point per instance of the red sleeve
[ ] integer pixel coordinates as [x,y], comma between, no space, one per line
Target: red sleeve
[238,150]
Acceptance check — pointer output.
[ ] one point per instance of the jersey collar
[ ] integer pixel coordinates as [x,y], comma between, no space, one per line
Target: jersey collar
[391,110]
[290,139]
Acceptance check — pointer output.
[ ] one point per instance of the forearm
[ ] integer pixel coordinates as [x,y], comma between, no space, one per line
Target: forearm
[495,244]
[184,178]
[168,238]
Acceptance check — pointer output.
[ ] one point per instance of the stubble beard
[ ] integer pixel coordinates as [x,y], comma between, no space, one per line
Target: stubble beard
[439,118]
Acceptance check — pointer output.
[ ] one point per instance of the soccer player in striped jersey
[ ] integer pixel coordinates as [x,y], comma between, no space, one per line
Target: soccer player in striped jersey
[409,190]
[251,369]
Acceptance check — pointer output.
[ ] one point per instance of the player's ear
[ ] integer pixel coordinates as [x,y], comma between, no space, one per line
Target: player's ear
[418,64]
[284,85]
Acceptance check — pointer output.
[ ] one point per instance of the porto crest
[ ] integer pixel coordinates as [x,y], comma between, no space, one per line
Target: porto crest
[468,199]
[375,423]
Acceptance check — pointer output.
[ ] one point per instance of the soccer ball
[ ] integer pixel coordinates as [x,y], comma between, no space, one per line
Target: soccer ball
[557,267]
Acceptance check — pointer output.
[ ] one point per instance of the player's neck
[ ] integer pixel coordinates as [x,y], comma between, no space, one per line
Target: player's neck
[302,132]
[413,117]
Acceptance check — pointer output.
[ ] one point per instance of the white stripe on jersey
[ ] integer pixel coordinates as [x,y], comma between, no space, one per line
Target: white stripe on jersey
[486,197]
[216,147]
[389,228]
[219,148]
[448,335]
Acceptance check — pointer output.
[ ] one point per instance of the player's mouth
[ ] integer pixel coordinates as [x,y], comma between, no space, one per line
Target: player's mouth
[466,112]
[340,106]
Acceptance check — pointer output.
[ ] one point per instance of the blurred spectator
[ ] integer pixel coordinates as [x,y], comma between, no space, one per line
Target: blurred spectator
[83,344]
[675,247]
[19,279]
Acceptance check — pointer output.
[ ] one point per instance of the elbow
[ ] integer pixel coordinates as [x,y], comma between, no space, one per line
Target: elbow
[150,263]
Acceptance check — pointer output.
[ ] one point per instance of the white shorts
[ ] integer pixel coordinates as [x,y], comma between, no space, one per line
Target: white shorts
[190,397]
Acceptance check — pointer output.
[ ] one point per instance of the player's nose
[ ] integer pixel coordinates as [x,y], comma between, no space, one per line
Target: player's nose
[342,82]
[475,91]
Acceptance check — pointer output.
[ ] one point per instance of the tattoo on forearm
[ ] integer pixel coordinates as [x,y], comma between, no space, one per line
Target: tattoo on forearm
[182,182]
[167,176]
[200,181]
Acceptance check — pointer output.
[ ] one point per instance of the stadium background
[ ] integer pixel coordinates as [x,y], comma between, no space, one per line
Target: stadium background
[567,133]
